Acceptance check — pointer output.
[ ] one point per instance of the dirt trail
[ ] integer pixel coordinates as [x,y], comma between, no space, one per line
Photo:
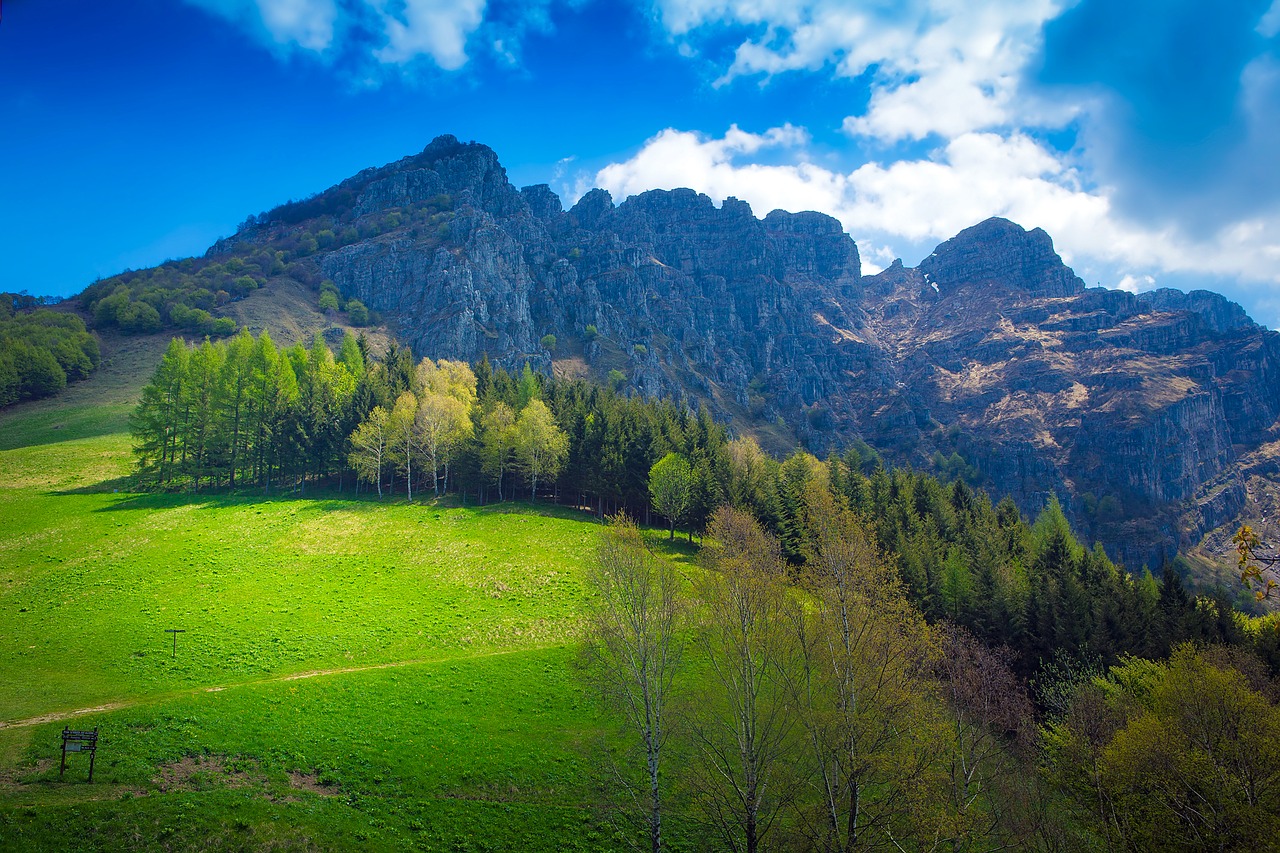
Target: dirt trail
[60,716]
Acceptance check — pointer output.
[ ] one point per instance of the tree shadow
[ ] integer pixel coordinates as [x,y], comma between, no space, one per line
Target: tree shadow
[111,486]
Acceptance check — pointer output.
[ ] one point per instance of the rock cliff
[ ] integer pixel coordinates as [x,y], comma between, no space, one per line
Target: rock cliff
[1136,410]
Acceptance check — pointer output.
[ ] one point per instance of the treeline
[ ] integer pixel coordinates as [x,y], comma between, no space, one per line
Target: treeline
[813,707]
[41,350]
[245,413]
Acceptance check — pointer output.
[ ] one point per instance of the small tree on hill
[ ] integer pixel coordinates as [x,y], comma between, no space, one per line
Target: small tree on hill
[670,486]
[541,446]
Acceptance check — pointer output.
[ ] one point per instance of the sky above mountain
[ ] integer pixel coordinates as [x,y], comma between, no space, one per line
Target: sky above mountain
[1141,135]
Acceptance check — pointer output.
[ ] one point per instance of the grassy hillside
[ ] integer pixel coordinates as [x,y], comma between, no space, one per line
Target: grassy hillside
[352,672]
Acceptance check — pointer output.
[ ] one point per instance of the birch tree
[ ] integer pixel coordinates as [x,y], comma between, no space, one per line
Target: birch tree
[635,648]
[370,445]
[541,446]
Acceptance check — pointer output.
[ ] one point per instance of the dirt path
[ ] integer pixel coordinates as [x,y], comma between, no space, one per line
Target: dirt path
[60,716]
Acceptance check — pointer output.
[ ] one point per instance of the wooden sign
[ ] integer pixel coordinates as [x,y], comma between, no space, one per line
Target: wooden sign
[74,740]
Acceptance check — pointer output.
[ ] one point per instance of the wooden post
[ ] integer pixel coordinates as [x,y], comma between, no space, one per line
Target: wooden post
[93,753]
[66,733]
[175,632]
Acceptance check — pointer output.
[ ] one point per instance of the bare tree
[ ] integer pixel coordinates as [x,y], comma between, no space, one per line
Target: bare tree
[741,725]
[634,645]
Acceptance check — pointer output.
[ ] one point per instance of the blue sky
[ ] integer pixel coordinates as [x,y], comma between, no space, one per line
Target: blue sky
[1141,135]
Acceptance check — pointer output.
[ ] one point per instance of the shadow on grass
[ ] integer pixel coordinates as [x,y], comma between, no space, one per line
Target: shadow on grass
[103,487]
[313,501]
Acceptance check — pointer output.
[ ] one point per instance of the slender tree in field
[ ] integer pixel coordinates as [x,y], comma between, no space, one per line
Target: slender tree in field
[159,421]
[441,424]
[635,648]
[670,485]
[404,437]
[541,446]
[446,393]
[497,442]
[370,445]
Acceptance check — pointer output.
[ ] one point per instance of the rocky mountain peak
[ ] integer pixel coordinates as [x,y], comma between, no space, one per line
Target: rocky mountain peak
[1001,253]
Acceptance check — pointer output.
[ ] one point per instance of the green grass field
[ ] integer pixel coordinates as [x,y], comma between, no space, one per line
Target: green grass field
[353,673]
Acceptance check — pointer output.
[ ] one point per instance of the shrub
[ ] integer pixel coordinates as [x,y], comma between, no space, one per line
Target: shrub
[357,313]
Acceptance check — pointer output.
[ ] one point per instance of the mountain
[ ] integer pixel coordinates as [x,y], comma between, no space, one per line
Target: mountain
[1150,416]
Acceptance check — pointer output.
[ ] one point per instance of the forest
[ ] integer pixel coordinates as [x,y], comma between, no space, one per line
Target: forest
[893,645]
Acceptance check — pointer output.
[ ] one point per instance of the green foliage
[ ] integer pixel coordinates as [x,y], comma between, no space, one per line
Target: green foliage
[357,313]
[671,485]
[548,343]
[40,351]
[328,301]
[589,333]
[1167,755]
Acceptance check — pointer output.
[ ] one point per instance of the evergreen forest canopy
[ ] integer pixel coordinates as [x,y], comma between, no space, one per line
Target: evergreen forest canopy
[41,350]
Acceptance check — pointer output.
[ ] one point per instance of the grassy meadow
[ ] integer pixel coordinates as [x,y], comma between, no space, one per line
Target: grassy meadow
[352,672]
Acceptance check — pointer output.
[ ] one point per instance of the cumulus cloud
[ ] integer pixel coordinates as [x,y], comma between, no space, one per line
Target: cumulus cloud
[435,28]
[919,202]
[935,66]
[377,37]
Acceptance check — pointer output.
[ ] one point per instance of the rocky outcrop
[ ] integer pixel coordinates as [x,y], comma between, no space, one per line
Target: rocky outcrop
[1134,410]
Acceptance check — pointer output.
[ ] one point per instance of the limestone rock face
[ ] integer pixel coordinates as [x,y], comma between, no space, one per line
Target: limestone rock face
[1137,411]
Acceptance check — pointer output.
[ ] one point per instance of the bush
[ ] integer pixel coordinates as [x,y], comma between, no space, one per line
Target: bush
[138,318]
[328,301]
[357,313]
[548,343]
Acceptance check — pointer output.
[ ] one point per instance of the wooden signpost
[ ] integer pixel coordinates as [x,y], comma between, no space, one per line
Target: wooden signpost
[79,741]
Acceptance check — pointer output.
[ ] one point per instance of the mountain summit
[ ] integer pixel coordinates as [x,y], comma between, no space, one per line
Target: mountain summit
[1150,416]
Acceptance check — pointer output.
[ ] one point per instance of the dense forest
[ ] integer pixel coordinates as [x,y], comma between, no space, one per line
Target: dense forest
[41,350]
[1010,642]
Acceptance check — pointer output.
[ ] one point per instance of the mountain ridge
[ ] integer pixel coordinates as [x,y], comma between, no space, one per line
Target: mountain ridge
[1151,416]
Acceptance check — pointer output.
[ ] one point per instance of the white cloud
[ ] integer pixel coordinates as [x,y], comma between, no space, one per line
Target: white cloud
[937,66]
[401,31]
[307,24]
[890,207]
[1136,284]
[435,28]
